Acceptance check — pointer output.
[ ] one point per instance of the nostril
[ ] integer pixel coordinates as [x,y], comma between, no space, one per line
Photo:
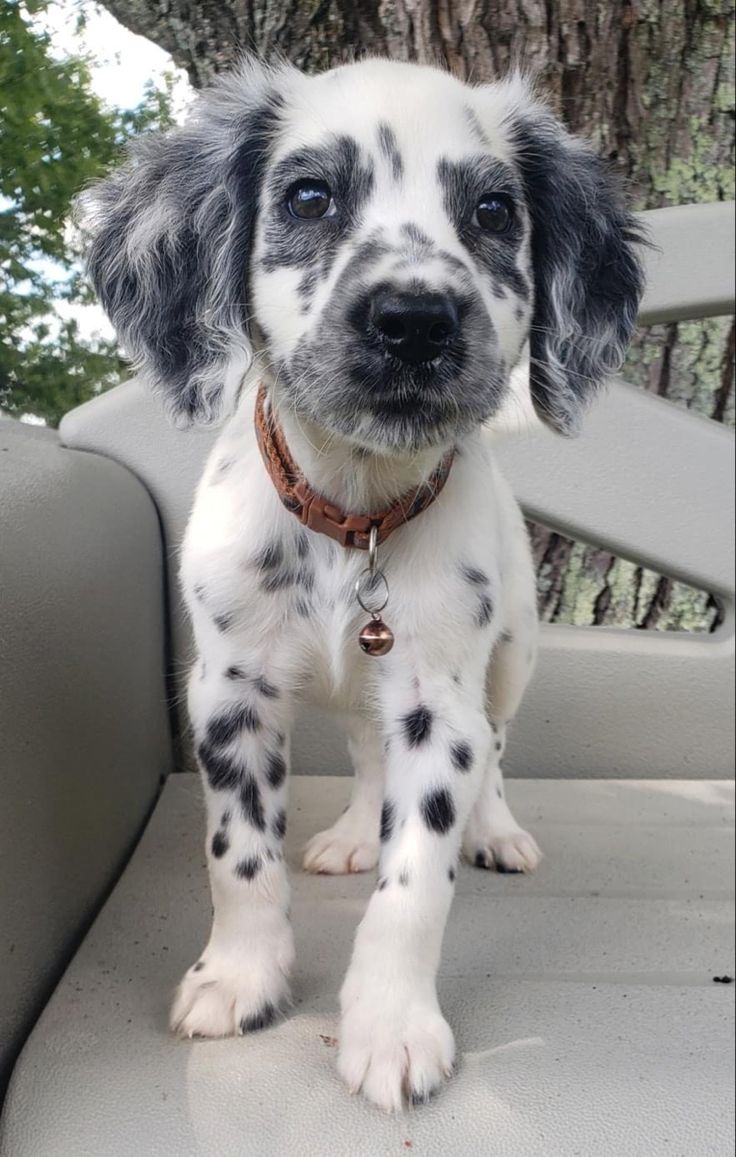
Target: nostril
[440,332]
[392,327]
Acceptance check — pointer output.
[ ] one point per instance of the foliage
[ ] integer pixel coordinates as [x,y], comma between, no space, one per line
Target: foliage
[55,136]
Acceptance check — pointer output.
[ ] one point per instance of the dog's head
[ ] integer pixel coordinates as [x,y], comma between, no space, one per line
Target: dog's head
[387,239]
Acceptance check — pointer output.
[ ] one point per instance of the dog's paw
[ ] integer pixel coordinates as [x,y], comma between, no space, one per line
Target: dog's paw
[350,845]
[509,851]
[394,1052]
[229,994]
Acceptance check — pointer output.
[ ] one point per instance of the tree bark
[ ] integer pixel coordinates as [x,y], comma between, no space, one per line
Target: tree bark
[651,82]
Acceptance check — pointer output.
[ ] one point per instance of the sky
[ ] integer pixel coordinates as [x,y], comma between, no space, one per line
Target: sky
[121,64]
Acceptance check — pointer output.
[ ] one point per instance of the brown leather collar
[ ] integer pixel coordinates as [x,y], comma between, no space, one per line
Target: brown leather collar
[316,512]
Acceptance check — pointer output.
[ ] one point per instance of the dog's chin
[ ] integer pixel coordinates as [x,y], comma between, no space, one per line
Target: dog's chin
[398,419]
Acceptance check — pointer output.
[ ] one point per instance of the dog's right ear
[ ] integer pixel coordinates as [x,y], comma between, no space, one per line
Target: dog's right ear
[168,238]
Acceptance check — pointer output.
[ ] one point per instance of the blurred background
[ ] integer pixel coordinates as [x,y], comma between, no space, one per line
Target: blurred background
[650,82]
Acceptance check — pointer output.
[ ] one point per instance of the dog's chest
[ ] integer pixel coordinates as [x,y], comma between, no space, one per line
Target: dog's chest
[338,670]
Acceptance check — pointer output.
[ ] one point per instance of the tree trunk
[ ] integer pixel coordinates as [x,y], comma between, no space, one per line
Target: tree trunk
[651,83]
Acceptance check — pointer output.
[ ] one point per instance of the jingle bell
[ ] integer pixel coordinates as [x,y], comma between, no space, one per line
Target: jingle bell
[376,638]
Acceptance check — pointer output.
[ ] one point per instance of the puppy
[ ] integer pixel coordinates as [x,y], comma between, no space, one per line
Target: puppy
[355,263]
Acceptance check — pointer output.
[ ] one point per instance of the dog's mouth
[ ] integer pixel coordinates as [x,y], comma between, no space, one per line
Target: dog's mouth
[394,411]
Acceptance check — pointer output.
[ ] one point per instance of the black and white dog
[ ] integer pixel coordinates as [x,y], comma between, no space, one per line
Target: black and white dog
[379,246]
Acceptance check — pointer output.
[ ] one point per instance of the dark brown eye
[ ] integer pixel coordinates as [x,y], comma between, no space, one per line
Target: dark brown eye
[495,213]
[310,200]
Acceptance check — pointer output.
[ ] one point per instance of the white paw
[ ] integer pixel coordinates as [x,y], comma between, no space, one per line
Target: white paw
[395,1052]
[232,993]
[510,851]
[350,845]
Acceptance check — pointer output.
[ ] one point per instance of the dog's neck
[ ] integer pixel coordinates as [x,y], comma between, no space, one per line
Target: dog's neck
[356,480]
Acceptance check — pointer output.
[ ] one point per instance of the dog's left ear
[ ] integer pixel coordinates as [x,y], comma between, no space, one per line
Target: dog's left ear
[168,238]
[585,256]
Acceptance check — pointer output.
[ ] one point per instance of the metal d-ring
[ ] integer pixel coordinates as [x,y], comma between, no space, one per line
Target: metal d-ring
[370,577]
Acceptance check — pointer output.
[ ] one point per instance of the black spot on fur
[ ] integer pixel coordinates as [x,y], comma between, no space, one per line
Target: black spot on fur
[220,845]
[451,875]
[265,688]
[498,744]
[259,1020]
[484,613]
[275,769]
[418,726]
[403,879]
[252,804]
[278,580]
[499,792]
[271,557]
[235,673]
[304,578]
[223,773]
[198,966]
[475,576]
[417,236]
[222,469]
[302,608]
[388,818]
[476,128]
[390,149]
[506,637]
[382,883]
[461,755]
[438,810]
[226,726]
[248,868]
[302,545]
[224,622]
[278,827]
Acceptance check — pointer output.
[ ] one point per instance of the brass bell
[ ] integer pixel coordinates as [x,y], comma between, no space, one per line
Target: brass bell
[376,638]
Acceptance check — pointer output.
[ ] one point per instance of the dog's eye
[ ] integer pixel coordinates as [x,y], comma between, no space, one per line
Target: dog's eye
[495,212]
[310,200]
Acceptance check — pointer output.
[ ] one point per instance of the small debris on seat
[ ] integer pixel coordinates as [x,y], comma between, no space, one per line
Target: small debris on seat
[723,980]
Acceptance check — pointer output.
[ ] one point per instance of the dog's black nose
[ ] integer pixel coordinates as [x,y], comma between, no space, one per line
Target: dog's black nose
[415,327]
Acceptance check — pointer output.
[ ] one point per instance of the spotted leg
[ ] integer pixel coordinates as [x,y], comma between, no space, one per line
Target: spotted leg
[394,1041]
[351,844]
[493,838]
[240,721]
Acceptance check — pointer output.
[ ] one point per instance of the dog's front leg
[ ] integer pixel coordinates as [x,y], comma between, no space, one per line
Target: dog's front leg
[395,1045]
[240,720]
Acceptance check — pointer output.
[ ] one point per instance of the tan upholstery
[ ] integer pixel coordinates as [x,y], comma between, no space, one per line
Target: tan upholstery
[83,724]
[583,1000]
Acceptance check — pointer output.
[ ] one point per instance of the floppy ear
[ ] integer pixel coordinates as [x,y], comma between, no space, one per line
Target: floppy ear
[168,237]
[587,273]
